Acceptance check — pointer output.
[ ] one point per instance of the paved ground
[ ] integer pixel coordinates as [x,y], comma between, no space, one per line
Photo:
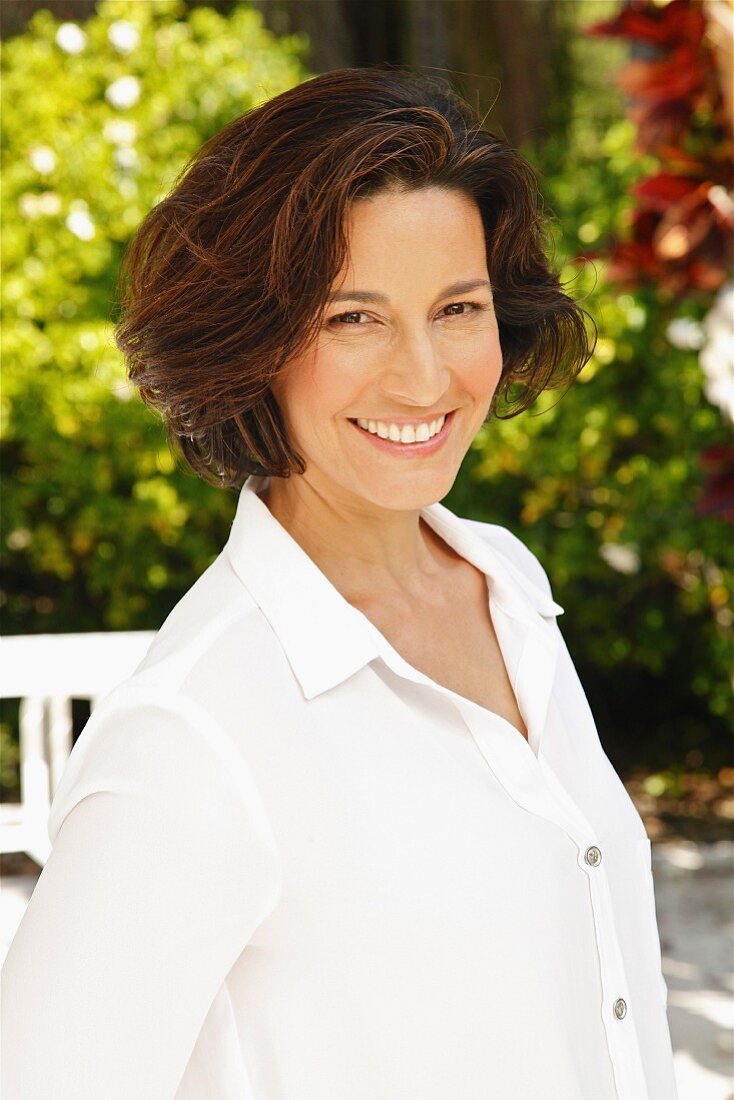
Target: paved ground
[694,890]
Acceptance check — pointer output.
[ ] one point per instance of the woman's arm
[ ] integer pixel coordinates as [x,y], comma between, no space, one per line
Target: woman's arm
[162,866]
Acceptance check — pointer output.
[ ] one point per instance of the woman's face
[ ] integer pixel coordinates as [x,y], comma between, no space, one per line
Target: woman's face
[411,336]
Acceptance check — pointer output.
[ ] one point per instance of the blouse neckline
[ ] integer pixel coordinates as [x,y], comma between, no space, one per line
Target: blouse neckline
[326,639]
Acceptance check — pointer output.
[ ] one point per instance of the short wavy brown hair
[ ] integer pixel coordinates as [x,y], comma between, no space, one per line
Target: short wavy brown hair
[227,277]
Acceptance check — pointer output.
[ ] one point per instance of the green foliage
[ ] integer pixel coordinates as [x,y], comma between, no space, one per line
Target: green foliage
[602,481]
[9,760]
[100,530]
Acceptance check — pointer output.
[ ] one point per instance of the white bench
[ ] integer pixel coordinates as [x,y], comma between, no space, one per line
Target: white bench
[47,671]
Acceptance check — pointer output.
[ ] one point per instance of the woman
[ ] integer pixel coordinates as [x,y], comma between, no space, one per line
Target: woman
[348,831]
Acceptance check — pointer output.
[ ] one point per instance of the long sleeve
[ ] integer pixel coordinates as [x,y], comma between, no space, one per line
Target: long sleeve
[162,866]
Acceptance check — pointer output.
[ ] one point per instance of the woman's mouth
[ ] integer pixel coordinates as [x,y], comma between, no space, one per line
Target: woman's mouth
[406,439]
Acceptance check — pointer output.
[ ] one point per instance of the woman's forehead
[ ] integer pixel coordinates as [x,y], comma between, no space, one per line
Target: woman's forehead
[437,234]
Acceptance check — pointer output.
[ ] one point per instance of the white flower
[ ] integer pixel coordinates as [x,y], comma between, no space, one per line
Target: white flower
[89,341]
[19,539]
[123,92]
[49,203]
[127,188]
[126,157]
[123,36]
[70,38]
[717,356]
[43,159]
[28,205]
[81,225]
[34,206]
[685,333]
[120,131]
[625,559]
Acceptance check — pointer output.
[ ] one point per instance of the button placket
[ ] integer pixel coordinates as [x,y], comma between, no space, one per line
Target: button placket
[617,1011]
[622,1040]
[533,784]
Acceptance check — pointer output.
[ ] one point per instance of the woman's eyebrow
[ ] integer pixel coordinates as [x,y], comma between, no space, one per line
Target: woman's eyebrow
[373,296]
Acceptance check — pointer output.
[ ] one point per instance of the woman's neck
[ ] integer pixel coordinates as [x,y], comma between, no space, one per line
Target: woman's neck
[359,546]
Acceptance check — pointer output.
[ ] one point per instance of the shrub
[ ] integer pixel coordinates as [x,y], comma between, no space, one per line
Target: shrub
[100,530]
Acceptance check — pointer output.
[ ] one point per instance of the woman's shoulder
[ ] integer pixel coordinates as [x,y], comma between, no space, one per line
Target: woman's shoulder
[169,760]
[194,624]
[160,727]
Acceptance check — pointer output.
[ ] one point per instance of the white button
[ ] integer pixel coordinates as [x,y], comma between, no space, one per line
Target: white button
[592,855]
[620,1008]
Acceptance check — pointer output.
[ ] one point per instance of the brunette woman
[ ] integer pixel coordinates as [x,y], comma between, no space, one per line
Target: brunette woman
[348,832]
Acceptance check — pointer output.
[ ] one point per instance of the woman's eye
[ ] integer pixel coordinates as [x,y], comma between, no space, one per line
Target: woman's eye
[347,318]
[474,307]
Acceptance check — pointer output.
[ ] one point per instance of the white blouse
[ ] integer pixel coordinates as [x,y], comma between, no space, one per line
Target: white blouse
[287,865]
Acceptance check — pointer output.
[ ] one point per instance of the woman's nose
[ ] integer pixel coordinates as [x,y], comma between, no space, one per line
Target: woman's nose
[415,372]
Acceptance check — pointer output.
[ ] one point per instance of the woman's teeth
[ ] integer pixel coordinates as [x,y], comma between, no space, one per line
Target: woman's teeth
[407,433]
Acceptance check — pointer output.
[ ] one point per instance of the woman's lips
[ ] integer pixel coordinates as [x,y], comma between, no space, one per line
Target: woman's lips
[408,450]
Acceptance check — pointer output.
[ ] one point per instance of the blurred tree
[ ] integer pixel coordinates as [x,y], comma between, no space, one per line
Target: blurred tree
[486,47]
[14,14]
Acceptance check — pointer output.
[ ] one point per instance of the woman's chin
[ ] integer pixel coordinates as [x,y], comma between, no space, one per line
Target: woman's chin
[407,492]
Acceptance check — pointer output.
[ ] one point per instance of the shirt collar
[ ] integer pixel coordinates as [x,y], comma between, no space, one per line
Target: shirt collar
[325,638]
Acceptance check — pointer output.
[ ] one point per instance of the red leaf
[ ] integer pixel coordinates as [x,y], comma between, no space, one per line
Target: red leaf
[679,21]
[660,191]
[631,263]
[677,77]
[630,24]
